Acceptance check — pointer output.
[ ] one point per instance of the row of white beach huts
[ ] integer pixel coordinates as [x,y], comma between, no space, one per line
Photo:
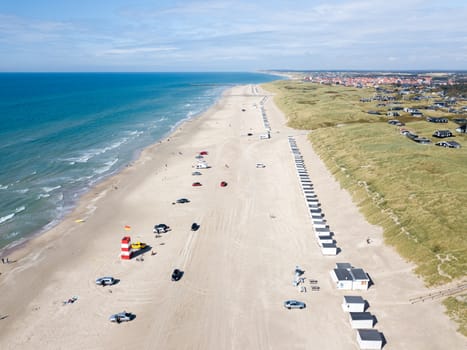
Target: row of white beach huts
[267,126]
[324,236]
[363,322]
[344,276]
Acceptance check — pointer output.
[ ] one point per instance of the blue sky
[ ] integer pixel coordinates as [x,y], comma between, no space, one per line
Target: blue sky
[224,35]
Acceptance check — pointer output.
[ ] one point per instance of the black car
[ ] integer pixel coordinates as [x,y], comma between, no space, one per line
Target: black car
[183,200]
[161,228]
[177,274]
[194,226]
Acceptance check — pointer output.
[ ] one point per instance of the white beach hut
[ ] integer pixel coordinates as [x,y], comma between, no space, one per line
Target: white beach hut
[369,339]
[329,249]
[361,281]
[342,279]
[320,225]
[325,239]
[361,320]
[353,303]
[319,232]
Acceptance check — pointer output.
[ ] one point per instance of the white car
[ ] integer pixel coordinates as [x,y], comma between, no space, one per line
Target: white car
[105,281]
[260,165]
[122,317]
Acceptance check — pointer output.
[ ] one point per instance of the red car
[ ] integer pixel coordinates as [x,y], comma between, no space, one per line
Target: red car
[203,153]
[196,184]
[223,184]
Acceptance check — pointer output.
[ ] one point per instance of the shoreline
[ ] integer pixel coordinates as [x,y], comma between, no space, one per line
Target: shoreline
[23,242]
[238,265]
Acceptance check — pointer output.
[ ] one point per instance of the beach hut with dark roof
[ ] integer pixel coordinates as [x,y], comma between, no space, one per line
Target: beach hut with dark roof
[322,231]
[360,279]
[353,303]
[349,278]
[329,249]
[361,320]
[325,239]
[342,278]
[369,339]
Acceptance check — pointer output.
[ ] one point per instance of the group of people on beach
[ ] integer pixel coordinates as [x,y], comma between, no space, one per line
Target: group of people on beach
[5,261]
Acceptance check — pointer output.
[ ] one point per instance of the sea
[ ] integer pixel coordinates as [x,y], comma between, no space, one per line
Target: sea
[62,133]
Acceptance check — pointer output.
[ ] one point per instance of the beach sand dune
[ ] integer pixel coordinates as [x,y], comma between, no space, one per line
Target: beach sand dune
[238,266]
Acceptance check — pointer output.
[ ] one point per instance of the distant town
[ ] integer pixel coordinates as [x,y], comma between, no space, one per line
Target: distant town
[374,79]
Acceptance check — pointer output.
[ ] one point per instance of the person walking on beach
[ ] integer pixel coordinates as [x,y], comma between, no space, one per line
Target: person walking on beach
[3,260]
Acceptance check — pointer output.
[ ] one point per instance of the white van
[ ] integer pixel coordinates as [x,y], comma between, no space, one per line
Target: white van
[202,166]
[264,136]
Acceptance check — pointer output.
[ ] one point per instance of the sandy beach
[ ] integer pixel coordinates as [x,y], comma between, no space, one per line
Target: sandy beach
[238,267]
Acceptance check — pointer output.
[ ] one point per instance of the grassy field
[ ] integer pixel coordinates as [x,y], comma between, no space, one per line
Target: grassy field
[417,193]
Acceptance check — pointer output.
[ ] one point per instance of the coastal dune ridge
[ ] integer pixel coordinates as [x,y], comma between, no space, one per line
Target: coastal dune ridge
[238,266]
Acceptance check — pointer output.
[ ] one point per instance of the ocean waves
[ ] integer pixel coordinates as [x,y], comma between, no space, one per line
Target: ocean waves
[56,146]
[11,215]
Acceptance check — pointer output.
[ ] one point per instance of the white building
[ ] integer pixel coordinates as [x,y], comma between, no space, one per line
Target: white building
[322,231]
[361,320]
[369,339]
[325,239]
[329,249]
[353,304]
[348,278]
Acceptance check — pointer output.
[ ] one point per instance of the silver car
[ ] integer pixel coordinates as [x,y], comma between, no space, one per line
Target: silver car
[294,304]
[105,281]
[122,317]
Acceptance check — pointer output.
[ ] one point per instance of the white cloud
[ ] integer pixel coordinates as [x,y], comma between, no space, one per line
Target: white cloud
[262,33]
[136,50]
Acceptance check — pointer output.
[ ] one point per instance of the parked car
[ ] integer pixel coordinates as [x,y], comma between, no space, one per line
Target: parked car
[161,228]
[138,245]
[203,153]
[448,144]
[176,274]
[260,165]
[105,281]
[294,304]
[194,226]
[183,200]
[196,173]
[223,184]
[196,184]
[122,317]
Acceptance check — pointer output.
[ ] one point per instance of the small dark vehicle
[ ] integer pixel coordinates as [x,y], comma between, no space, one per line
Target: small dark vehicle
[161,228]
[183,200]
[223,184]
[194,226]
[176,275]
